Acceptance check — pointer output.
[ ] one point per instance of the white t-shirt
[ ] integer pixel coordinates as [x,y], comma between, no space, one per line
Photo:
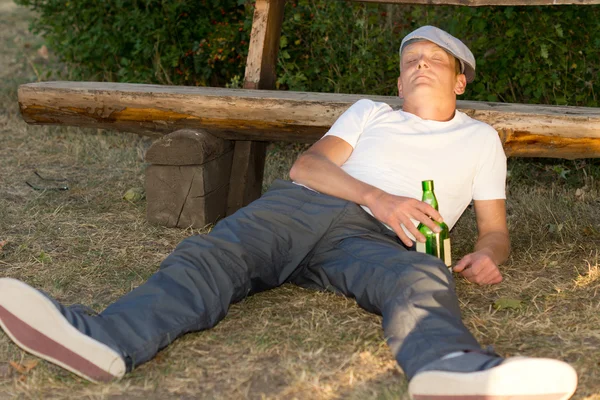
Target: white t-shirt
[396,150]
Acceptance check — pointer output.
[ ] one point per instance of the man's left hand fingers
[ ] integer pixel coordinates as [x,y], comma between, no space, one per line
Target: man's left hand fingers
[471,272]
[462,264]
[482,274]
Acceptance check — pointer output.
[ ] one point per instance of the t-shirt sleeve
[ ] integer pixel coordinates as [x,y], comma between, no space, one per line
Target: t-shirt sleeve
[490,178]
[350,125]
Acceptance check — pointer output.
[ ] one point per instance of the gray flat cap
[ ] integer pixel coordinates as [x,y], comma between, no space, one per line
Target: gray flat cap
[447,42]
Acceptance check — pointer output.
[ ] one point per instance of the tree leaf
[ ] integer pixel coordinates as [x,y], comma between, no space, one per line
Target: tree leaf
[507,303]
[134,194]
[25,367]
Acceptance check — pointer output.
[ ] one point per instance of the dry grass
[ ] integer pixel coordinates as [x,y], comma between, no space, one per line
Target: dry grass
[88,245]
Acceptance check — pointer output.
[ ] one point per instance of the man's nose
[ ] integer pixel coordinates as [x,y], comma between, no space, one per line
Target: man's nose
[422,63]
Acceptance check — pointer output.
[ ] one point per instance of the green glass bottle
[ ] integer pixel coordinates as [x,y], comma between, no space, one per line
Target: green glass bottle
[436,244]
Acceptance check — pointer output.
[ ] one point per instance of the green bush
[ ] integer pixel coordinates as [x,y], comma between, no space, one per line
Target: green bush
[535,54]
[546,55]
[336,46]
[184,42]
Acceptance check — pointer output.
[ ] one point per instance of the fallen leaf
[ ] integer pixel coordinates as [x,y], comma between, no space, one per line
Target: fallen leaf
[134,194]
[2,244]
[25,367]
[504,303]
[18,367]
[31,364]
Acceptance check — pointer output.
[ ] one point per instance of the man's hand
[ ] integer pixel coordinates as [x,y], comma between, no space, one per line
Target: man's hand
[492,247]
[396,211]
[479,268]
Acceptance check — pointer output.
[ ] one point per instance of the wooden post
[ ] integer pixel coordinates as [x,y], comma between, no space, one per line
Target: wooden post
[249,156]
[187,183]
[264,44]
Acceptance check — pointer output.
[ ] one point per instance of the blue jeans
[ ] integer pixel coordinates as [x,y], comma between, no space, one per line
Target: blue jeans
[293,234]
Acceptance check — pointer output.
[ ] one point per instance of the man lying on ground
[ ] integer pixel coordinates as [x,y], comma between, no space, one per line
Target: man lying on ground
[347,224]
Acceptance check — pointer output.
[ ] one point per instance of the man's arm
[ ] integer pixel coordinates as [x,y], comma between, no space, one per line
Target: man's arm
[320,169]
[492,246]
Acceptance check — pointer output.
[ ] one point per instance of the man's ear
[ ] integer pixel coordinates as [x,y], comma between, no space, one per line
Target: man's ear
[461,84]
[400,94]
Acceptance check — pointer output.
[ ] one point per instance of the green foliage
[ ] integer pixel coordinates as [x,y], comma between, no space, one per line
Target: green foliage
[534,54]
[184,42]
[543,55]
[336,46]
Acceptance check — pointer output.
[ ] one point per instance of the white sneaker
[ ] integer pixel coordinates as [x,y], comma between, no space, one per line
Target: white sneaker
[516,378]
[40,326]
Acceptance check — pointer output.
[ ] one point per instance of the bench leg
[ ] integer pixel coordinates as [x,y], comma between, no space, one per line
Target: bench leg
[187,182]
[247,173]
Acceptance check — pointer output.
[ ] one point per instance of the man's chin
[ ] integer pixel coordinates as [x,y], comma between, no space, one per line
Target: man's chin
[425,95]
[425,87]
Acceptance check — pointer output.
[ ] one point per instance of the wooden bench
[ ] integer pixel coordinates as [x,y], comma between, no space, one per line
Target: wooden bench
[208,158]
[194,169]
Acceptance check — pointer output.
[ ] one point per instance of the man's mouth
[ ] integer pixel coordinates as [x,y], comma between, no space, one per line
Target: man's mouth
[422,76]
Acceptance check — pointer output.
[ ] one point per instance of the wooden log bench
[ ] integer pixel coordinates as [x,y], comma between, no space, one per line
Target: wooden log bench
[196,176]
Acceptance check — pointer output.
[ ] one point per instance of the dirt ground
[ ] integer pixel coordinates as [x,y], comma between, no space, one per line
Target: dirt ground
[88,245]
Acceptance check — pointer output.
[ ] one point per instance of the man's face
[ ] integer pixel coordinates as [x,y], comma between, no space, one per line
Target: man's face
[427,69]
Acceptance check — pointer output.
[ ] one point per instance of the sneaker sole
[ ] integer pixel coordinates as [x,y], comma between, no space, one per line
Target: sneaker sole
[35,324]
[509,380]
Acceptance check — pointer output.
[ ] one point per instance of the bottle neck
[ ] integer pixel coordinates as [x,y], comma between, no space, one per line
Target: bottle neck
[429,198]
[427,186]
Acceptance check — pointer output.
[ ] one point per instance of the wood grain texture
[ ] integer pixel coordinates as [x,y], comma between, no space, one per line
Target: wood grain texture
[188,181]
[187,147]
[262,115]
[247,170]
[264,44]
